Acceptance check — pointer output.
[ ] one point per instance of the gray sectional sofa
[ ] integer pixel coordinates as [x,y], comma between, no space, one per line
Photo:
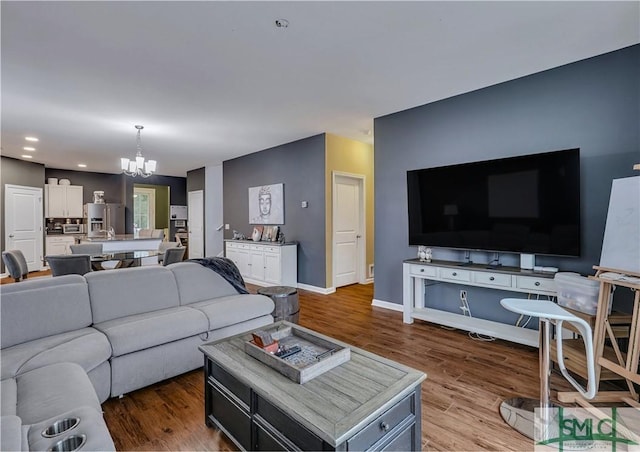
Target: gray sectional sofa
[69,343]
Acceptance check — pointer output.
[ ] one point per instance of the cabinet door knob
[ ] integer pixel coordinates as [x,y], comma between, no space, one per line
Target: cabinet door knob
[422,270]
[384,426]
[491,278]
[455,274]
[537,283]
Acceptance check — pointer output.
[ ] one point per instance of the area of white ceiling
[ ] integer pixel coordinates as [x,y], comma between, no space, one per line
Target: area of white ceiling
[212,81]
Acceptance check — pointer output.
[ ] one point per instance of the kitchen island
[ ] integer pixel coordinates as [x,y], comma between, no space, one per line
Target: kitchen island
[125,242]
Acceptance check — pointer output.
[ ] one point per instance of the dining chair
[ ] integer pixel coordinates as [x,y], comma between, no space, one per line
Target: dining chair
[69,264]
[164,246]
[16,264]
[173,255]
[91,249]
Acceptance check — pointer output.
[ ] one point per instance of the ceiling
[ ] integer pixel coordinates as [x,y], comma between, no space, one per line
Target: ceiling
[213,80]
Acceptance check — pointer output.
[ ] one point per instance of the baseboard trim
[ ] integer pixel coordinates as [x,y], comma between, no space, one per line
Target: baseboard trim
[316,289]
[367,281]
[386,305]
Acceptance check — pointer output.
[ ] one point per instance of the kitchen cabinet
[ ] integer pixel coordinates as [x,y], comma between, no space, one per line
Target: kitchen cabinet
[265,263]
[63,201]
[59,244]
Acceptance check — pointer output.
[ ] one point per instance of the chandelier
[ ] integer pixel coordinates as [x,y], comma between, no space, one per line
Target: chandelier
[138,167]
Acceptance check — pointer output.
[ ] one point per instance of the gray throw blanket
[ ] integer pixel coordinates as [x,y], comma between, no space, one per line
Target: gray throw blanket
[225,268]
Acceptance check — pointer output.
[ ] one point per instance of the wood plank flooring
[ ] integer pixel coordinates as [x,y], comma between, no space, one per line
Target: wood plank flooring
[466,381]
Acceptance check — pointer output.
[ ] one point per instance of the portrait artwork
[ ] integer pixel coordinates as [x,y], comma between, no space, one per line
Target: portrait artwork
[266,204]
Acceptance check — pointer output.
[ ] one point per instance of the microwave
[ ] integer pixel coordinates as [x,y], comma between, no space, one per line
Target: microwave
[73,228]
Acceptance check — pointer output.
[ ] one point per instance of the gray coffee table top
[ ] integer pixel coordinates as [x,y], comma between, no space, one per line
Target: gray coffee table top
[333,405]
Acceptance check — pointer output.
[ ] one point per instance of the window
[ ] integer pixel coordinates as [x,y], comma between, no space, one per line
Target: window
[144,208]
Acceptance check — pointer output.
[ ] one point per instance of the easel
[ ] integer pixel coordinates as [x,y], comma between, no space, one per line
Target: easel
[626,367]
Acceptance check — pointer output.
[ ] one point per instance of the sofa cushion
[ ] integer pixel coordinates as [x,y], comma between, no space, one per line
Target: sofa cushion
[225,311]
[48,306]
[124,292]
[48,391]
[87,347]
[11,433]
[198,283]
[138,332]
[8,397]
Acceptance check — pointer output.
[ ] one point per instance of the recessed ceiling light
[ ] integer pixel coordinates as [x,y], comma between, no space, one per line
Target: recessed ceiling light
[82,165]
[27,156]
[29,148]
[31,139]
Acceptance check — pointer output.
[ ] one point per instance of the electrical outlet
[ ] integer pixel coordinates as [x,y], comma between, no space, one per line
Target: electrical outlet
[463,294]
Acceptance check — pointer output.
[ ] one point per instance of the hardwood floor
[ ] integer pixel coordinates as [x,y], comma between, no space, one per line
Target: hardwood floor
[466,381]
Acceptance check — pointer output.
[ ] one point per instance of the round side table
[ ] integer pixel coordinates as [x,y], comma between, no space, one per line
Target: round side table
[286,301]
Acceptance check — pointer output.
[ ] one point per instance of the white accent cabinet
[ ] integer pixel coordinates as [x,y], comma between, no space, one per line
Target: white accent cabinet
[265,263]
[63,201]
[416,273]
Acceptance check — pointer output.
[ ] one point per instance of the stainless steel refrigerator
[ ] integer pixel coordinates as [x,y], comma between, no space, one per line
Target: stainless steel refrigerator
[102,217]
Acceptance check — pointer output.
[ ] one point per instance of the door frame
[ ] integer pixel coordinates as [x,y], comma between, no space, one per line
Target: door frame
[40,217]
[202,226]
[362,218]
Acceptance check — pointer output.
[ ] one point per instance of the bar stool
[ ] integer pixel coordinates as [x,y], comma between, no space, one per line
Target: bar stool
[519,412]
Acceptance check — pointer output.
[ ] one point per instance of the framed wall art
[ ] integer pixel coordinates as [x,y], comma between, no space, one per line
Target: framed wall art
[266,204]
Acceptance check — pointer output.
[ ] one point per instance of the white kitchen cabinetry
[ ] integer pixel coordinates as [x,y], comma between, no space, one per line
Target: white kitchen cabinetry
[59,244]
[63,201]
[265,264]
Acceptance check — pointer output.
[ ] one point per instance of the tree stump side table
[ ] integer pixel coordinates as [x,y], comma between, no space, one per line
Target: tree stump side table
[286,301]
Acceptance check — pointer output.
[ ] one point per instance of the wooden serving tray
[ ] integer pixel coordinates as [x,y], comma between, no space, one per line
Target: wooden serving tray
[318,355]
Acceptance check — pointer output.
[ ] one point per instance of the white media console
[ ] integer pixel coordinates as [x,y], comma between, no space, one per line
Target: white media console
[512,279]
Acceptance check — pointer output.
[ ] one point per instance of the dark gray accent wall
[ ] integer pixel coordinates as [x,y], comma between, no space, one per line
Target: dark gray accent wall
[110,184]
[177,194]
[592,105]
[118,188]
[300,166]
[18,172]
[195,179]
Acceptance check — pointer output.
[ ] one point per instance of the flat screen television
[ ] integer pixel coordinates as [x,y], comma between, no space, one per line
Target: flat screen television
[526,204]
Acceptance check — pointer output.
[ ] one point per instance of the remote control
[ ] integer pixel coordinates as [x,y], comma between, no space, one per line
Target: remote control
[288,351]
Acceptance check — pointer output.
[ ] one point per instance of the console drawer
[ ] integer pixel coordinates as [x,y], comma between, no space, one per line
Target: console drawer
[378,428]
[492,279]
[536,284]
[422,270]
[223,378]
[453,274]
[228,415]
[288,427]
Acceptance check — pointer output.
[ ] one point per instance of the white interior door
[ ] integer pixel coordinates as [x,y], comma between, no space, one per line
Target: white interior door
[195,202]
[347,229]
[23,223]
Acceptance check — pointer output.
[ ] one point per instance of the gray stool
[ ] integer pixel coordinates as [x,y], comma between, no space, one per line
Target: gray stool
[286,301]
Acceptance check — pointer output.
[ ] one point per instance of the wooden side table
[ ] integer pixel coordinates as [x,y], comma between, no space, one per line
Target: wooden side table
[286,301]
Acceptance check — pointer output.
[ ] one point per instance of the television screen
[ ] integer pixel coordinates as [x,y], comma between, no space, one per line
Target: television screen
[526,204]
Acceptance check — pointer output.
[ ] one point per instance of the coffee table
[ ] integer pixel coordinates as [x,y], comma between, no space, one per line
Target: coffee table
[369,402]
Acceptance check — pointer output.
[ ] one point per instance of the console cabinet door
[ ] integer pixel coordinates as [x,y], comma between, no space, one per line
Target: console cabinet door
[272,268]
[256,264]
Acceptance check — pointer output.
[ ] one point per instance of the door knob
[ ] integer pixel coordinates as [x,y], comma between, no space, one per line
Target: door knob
[358,236]
[10,236]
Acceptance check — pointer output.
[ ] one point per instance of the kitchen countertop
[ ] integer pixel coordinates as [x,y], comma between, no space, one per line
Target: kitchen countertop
[121,238]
